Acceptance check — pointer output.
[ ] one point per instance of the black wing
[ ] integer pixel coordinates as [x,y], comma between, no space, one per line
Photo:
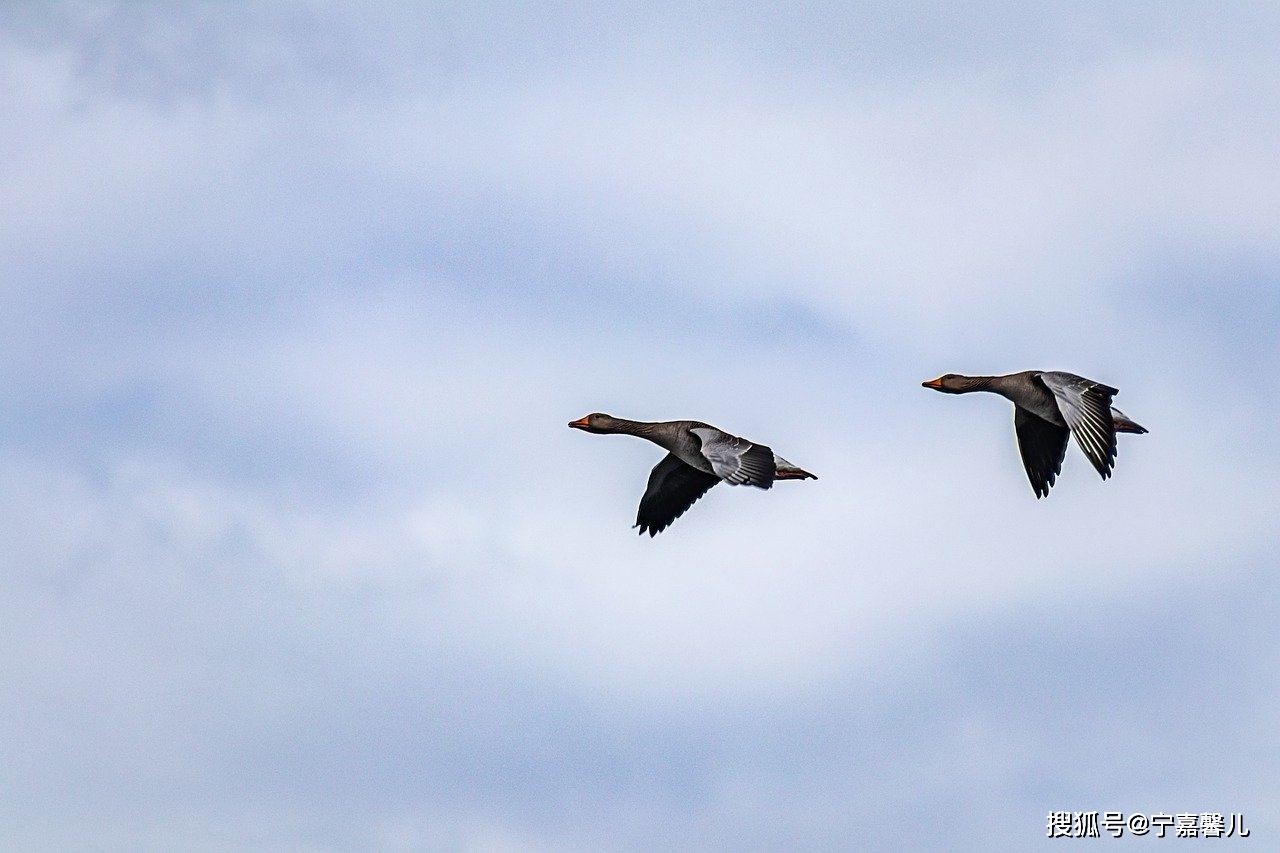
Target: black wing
[673,488]
[1043,446]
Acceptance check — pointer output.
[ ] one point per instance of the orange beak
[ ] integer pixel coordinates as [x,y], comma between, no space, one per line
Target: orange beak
[580,423]
[932,383]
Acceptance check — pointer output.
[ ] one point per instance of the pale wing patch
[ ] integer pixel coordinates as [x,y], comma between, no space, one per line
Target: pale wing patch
[1086,407]
[735,460]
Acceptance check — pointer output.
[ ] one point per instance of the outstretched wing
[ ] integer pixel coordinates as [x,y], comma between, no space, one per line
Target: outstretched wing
[673,488]
[1042,445]
[1086,406]
[736,460]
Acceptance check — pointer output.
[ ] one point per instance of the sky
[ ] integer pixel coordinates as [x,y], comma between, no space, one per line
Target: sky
[299,554]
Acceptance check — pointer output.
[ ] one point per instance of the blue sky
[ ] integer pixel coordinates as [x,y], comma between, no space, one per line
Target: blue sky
[299,554]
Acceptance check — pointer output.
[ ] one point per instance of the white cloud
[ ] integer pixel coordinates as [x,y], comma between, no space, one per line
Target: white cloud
[296,519]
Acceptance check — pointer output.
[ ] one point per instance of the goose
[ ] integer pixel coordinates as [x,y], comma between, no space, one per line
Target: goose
[698,456]
[1048,406]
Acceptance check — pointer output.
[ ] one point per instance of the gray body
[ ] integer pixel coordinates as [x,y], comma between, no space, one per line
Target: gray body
[1049,406]
[698,456]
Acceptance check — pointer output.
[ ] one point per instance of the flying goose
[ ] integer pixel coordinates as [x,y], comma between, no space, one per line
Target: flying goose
[1048,406]
[698,457]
